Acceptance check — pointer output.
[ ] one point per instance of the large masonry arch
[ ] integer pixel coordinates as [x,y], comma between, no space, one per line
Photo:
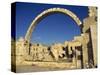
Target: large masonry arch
[78,50]
[46,13]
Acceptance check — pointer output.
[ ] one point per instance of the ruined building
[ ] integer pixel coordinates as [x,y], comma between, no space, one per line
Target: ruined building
[81,51]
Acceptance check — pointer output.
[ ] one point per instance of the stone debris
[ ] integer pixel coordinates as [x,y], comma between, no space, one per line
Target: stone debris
[76,52]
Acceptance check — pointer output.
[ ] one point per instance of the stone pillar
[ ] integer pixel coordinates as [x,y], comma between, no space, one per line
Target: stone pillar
[85,49]
[84,39]
[74,60]
[89,26]
[93,32]
[78,53]
[74,55]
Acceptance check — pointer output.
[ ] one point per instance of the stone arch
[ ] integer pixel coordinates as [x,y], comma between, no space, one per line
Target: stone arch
[46,13]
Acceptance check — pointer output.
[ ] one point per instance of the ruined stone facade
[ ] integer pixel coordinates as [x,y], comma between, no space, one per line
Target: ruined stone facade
[81,51]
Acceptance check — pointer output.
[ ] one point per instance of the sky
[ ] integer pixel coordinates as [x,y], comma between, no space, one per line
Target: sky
[55,28]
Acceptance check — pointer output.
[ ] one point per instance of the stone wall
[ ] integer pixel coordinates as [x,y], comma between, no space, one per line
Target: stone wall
[81,46]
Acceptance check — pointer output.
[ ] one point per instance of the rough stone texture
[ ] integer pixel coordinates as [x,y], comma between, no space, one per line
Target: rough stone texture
[40,52]
[90,23]
[57,51]
[84,39]
[94,42]
[91,19]
[25,53]
[85,50]
[20,51]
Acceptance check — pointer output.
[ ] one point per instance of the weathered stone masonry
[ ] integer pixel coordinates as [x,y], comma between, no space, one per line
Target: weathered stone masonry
[81,51]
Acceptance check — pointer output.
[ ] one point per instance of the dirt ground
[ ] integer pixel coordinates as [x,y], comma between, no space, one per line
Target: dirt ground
[44,66]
